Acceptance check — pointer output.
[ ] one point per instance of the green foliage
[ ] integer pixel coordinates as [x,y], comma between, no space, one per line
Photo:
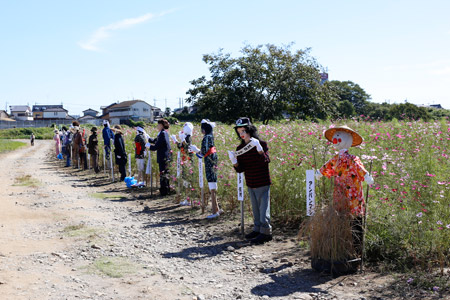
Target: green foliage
[263,84]
[172,120]
[41,133]
[132,123]
[409,111]
[346,109]
[351,92]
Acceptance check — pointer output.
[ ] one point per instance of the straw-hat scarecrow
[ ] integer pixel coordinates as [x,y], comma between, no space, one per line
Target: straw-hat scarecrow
[348,204]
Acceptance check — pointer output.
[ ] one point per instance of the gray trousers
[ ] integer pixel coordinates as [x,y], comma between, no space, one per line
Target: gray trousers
[260,199]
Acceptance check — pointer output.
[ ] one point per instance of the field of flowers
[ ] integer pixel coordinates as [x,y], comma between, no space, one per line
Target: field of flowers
[409,203]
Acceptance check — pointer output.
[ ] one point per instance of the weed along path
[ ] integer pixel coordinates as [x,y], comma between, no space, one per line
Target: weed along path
[71,234]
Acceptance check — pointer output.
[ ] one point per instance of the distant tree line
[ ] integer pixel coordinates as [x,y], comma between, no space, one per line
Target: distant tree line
[272,83]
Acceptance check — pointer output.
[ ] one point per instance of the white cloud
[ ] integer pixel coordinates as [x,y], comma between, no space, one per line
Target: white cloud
[105,32]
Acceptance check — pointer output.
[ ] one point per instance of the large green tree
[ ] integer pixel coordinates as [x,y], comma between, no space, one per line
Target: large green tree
[265,83]
[352,92]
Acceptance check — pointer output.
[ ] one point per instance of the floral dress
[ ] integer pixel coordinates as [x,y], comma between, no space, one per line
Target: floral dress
[349,174]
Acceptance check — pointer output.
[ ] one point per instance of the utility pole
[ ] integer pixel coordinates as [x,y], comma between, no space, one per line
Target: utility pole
[154,102]
[166,103]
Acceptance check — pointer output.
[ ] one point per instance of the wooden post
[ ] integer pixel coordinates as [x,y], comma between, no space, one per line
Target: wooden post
[104,161]
[364,225]
[200,181]
[112,169]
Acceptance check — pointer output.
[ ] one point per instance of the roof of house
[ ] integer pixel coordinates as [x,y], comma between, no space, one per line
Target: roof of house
[19,108]
[45,107]
[87,117]
[90,109]
[126,104]
[55,109]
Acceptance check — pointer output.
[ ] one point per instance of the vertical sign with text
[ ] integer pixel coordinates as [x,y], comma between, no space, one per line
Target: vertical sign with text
[240,186]
[200,172]
[310,193]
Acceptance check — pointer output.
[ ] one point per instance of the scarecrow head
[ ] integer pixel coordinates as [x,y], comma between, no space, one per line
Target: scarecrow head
[343,137]
[188,128]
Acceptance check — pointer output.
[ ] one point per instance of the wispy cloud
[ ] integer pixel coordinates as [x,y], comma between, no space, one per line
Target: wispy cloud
[105,32]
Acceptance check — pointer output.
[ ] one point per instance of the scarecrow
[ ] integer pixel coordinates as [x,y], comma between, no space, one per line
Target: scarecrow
[208,153]
[341,241]
[184,144]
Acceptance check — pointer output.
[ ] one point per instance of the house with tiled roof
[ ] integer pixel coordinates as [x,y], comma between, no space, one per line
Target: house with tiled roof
[122,112]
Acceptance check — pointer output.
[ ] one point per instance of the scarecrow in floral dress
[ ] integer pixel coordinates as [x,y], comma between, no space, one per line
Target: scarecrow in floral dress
[347,170]
[348,173]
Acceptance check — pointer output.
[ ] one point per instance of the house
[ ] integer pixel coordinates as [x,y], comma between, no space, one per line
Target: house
[90,112]
[136,110]
[21,112]
[38,110]
[5,117]
[90,116]
[157,113]
[57,113]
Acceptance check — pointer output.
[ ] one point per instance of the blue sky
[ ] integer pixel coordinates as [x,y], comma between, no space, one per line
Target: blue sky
[86,54]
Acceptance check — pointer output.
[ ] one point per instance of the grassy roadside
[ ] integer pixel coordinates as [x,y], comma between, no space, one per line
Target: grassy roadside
[7,145]
[41,133]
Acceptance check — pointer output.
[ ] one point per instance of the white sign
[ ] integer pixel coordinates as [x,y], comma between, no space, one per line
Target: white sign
[310,193]
[240,186]
[178,164]
[200,172]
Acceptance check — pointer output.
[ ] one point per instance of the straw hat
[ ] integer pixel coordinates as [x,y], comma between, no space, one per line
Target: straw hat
[357,139]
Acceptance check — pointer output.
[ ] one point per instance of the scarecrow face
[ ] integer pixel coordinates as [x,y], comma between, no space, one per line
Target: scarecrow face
[243,133]
[342,140]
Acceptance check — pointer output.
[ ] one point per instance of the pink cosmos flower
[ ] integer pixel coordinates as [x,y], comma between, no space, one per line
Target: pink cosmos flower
[419,215]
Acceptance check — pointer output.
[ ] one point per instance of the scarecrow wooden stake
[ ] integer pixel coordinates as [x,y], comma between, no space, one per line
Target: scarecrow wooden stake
[337,242]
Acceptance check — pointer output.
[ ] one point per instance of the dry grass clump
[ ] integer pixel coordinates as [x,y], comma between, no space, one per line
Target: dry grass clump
[330,235]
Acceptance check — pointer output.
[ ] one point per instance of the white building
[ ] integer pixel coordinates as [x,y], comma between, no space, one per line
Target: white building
[56,113]
[136,110]
[21,112]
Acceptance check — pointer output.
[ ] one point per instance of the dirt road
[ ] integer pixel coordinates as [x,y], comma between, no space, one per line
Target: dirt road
[70,234]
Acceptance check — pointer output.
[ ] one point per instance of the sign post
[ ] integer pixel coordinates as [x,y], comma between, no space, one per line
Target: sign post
[240,190]
[200,181]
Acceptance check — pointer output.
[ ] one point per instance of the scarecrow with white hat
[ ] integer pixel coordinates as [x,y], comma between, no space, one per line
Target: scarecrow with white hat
[184,144]
[57,139]
[348,200]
